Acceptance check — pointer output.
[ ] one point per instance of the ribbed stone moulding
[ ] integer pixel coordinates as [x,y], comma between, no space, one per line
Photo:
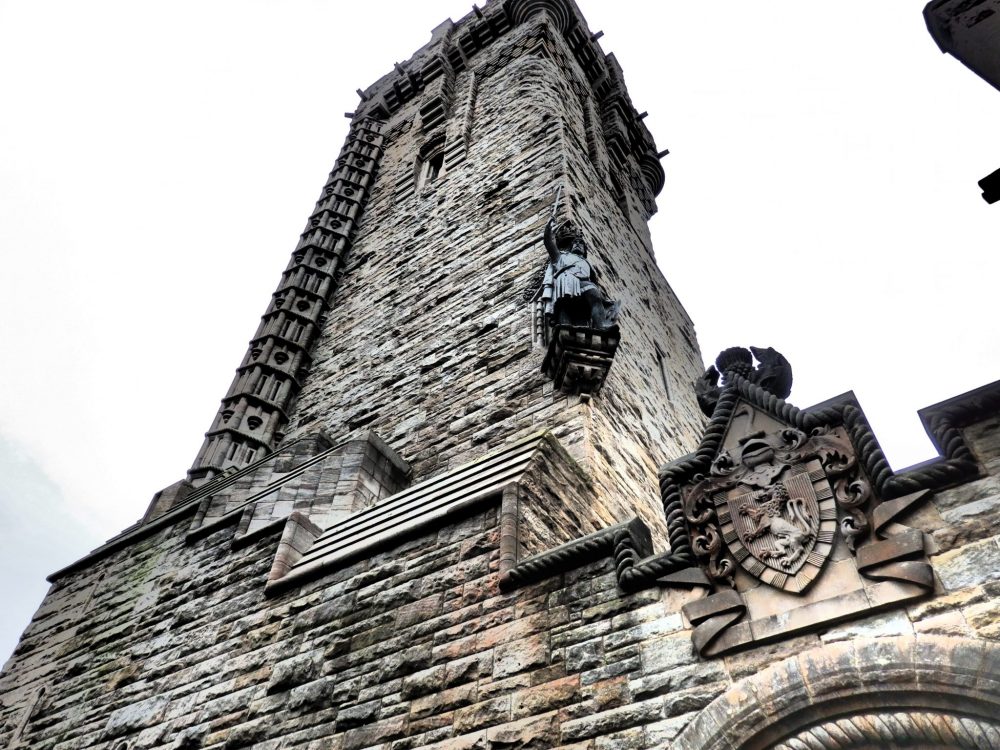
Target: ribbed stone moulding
[252,417]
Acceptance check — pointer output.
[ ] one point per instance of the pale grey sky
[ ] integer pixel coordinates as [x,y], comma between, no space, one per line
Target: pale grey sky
[158,160]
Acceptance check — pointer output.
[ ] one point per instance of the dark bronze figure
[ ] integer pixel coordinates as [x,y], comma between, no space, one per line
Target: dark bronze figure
[570,294]
[574,318]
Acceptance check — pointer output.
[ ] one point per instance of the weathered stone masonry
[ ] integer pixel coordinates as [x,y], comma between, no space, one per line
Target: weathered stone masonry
[399,534]
[255,411]
[174,644]
[420,328]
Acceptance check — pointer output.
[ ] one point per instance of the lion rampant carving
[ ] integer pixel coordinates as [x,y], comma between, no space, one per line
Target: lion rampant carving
[787,519]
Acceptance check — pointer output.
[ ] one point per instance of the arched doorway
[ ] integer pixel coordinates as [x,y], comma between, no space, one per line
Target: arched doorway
[923,692]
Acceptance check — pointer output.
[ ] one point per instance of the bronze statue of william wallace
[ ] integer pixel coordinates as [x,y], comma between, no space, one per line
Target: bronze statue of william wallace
[570,294]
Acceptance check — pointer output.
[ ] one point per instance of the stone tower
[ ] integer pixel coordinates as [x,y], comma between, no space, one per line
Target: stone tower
[462,495]
[409,305]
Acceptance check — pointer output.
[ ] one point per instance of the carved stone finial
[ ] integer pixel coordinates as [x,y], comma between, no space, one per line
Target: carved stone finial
[734,360]
[773,373]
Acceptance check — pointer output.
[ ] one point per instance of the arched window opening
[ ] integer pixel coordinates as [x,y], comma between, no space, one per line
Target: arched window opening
[430,163]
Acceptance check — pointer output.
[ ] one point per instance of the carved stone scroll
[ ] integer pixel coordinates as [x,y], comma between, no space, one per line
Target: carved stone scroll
[899,557]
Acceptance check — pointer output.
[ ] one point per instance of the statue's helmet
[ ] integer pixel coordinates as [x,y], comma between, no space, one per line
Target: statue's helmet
[570,239]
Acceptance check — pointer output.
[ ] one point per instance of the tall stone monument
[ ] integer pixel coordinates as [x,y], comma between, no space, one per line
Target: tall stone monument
[472,488]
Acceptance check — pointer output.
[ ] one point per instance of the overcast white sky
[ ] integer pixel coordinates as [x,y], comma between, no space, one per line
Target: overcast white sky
[158,160]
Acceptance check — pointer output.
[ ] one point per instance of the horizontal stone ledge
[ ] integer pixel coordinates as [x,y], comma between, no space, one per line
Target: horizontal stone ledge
[317,568]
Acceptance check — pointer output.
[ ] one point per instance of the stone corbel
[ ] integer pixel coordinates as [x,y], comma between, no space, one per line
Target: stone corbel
[578,358]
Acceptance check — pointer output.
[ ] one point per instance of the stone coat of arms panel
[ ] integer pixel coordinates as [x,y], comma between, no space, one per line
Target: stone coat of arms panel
[785,526]
[784,533]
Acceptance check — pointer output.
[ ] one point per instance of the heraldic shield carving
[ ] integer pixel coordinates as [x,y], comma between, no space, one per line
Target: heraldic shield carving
[779,509]
[782,534]
[772,507]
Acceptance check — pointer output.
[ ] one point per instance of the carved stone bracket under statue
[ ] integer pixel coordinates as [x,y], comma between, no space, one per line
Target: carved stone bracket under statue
[578,358]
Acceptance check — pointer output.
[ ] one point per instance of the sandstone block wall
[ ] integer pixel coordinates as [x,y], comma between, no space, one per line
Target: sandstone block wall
[430,342]
[168,638]
[173,644]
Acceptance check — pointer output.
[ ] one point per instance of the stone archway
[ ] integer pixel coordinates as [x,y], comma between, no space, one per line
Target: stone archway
[925,692]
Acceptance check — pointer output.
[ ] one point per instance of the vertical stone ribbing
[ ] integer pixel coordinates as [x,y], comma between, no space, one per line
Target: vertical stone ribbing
[253,415]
